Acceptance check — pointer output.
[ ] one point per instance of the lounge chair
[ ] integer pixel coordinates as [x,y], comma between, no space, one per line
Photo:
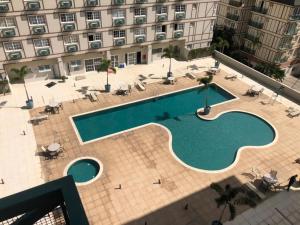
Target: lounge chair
[140,86]
[38,118]
[231,77]
[290,109]
[294,113]
[191,76]
[45,152]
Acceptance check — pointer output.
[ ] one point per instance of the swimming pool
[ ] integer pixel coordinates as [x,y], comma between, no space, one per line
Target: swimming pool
[201,144]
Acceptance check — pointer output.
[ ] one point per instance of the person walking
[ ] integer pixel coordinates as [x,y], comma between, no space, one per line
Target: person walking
[292,180]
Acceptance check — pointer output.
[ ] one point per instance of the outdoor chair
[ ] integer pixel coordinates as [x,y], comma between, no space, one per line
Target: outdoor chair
[294,113]
[231,77]
[45,153]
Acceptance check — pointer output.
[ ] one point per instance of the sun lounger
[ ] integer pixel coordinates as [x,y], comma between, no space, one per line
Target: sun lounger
[290,109]
[94,96]
[231,77]
[38,118]
[140,86]
[294,113]
[191,76]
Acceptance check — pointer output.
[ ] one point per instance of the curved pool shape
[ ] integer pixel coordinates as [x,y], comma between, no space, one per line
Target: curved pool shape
[83,170]
[207,145]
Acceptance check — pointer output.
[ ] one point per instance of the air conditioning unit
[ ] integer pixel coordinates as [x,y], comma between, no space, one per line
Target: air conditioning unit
[94,24]
[178,34]
[92,2]
[33,5]
[140,1]
[162,17]
[161,36]
[119,2]
[4,7]
[15,55]
[140,39]
[72,48]
[95,44]
[179,15]
[65,4]
[119,21]
[8,32]
[38,30]
[119,42]
[140,19]
[43,52]
[68,27]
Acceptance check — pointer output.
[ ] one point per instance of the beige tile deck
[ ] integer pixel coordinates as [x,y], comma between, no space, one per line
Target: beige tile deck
[137,159]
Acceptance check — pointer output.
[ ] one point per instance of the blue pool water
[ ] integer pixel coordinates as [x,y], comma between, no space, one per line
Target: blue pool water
[209,145]
[84,170]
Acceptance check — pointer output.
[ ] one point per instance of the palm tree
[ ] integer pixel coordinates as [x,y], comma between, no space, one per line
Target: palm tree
[105,66]
[169,53]
[231,197]
[222,43]
[20,74]
[206,81]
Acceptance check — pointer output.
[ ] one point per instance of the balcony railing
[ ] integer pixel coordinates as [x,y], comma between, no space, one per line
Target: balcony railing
[295,17]
[248,50]
[258,25]
[252,38]
[291,32]
[259,10]
[285,46]
[235,3]
[232,16]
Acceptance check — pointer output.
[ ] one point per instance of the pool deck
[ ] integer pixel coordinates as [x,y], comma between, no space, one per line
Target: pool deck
[137,159]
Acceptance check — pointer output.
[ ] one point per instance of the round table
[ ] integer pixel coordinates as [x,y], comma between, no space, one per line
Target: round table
[124,87]
[53,104]
[269,179]
[54,147]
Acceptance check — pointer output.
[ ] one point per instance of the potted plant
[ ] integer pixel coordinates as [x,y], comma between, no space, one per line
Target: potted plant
[230,198]
[105,66]
[63,79]
[20,74]
[169,53]
[206,80]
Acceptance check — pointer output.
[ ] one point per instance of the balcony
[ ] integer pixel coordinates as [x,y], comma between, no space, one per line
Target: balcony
[72,48]
[95,44]
[160,36]
[235,3]
[248,50]
[252,38]
[140,1]
[232,16]
[161,1]
[4,7]
[295,17]
[162,17]
[178,33]
[43,52]
[291,32]
[119,21]
[91,3]
[69,27]
[259,10]
[258,25]
[65,4]
[119,41]
[15,55]
[94,24]
[33,5]
[179,15]
[8,32]
[285,46]
[140,38]
[118,2]
[38,30]
[140,19]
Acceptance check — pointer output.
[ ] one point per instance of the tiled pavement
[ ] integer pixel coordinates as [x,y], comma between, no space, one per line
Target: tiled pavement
[137,159]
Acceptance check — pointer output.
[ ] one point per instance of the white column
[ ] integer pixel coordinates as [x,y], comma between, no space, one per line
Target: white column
[108,54]
[149,54]
[61,67]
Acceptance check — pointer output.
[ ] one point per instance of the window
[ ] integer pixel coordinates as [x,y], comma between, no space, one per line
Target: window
[178,26]
[194,7]
[75,63]
[72,39]
[140,12]
[161,9]
[114,61]
[68,17]
[36,20]
[118,13]
[119,33]
[180,8]
[139,31]
[39,43]
[93,15]
[92,64]
[156,50]
[44,68]
[12,46]
[7,22]
[161,28]
[94,37]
